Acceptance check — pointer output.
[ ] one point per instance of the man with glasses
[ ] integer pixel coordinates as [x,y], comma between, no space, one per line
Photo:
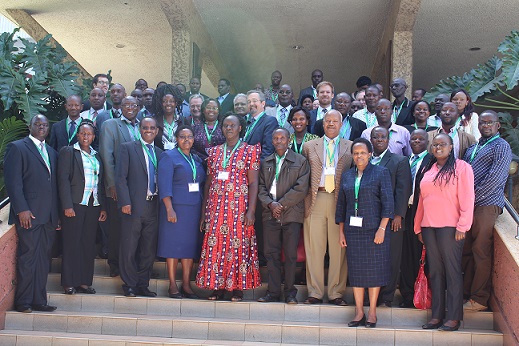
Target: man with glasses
[490,160]
[100,81]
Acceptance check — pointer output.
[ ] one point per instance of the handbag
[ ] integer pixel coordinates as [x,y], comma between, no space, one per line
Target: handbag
[422,292]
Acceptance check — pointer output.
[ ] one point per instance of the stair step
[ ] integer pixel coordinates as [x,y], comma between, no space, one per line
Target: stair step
[248,310]
[324,333]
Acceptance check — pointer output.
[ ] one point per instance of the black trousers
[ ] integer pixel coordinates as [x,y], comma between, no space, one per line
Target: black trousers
[444,257]
[276,237]
[388,292]
[79,235]
[138,246]
[33,263]
[411,254]
[114,233]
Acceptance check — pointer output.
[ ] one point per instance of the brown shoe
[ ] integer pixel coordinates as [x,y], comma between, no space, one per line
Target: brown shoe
[338,301]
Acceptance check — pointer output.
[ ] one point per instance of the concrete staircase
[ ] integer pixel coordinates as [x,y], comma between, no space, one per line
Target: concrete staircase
[108,318]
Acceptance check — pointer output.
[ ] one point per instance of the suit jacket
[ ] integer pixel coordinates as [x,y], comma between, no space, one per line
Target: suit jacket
[29,184]
[306,91]
[71,178]
[272,111]
[314,153]
[291,187]
[132,177]
[357,126]
[401,181]
[59,134]
[101,118]
[113,133]
[313,120]
[227,105]
[419,175]
[405,117]
[466,140]
[262,133]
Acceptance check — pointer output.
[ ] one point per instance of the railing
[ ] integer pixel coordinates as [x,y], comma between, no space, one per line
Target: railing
[514,214]
[3,204]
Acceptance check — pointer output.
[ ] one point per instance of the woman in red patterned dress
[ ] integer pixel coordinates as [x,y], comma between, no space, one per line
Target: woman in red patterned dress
[229,259]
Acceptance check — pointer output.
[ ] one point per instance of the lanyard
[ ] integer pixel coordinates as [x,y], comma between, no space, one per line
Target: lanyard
[191,162]
[225,157]
[369,120]
[416,126]
[477,148]
[331,158]
[285,120]
[135,133]
[272,97]
[294,141]
[357,188]
[418,159]
[210,135]
[278,166]
[397,113]
[169,130]
[151,155]
[92,159]
[251,128]
[75,131]
[345,129]
[45,156]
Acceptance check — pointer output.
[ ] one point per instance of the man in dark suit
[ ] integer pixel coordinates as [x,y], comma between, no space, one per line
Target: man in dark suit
[401,182]
[138,199]
[225,99]
[113,133]
[411,246]
[63,133]
[194,89]
[351,127]
[285,98]
[30,180]
[401,106]
[260,126]
[317,77]
[325,94]
[100,81]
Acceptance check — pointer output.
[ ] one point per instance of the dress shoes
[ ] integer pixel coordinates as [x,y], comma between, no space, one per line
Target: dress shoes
[371,324]
[23,308]
[70,290]
[145,292]
[450,329]
[44,308]
[187,295]
[338,301]
[432,325]
[361,322]
[313,300]
[406,304]
[86,290]
[269,298]
[291,300]
[177,295]
[130,292]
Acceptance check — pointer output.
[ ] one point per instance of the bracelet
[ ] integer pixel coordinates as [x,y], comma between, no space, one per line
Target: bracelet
[382,228]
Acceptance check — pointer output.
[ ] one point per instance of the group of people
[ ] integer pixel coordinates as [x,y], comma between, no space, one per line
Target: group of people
[231,182]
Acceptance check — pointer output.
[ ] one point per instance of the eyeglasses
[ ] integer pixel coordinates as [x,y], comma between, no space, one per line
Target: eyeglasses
[488,123]
[103,82]
[130,106]
[186,138]
[439,145]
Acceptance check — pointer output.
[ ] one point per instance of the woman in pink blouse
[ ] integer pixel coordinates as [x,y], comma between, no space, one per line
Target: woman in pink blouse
[444,214]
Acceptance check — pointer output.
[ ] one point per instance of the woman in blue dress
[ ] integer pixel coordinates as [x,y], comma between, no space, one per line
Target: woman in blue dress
[181,178]
[364,206]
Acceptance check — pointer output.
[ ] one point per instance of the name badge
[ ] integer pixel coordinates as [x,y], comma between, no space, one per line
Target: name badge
[356,221]
[169,146]
[329,170]
[193,187]
[223,175]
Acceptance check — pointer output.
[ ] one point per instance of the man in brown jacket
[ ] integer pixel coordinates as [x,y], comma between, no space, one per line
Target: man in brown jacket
[283,185]
[328,157]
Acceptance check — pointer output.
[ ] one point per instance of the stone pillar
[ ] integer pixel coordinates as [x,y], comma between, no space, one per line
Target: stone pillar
[402,59]
[181,56]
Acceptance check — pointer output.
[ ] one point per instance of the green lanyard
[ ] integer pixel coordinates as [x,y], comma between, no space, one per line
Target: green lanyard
[251,128]
[357,188]
[278,166]
[45,156]
[210,135]
[191,162]
[416,126]
[225,157]
[75,131]
[331,158]
[93,161]
[397,113]
[418,159]
[345,129]
[272,97]
[169,130]
[135,133]
[369,122]
[151,155]
[294,141]
[477,148]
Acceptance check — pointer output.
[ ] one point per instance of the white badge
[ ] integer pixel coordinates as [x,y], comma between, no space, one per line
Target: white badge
[223,175]
[356,221]
[169,146]
[329,170]
[193,187]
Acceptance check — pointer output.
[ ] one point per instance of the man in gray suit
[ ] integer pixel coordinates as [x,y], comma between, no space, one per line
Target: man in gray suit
[285,98]
[113,133]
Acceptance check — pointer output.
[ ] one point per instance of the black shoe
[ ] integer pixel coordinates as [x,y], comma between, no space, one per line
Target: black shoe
[187,295]
[177,295]
[291,300]
[450,329]
[145,292]
[385,303]
[23,308]
[432,325]
[130,292]
[361,322]
[44,308]
[70,290]
[87,290]
[338,301]
[313,300]
[371,324]
[269,298]
[406,304]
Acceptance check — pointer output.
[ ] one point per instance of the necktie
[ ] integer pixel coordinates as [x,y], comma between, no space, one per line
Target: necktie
[116,113]
[151,171]
[329,179]
[45,155]
[413,167]
[375,160]
[282,116]
[94,116]
[71,130]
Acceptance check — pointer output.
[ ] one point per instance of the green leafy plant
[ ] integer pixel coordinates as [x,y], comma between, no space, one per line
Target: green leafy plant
[11,129]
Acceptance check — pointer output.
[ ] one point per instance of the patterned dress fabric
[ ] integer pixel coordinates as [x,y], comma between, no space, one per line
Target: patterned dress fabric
[229,258]
[201,144]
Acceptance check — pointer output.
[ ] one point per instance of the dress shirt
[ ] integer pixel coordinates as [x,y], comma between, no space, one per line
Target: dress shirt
[89,114]
[450,205]
[320,113]
[345,131]
[398,139]
[222,98]
[375,160]
[278,114]
[148,192]
[368,118]
[273,191]
[336,156]
[91,175]
[135,134]
[490,166]
[45,156]
[434,120]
